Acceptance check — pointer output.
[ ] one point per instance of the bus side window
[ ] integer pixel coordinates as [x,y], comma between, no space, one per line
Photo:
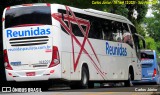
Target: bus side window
[127,37]
[117,31]
[107,30]
[76,31]
[95,29]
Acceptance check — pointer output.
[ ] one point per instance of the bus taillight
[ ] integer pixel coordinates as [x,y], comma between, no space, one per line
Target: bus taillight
[48,4]
[6,61]
[55,57]
[8,8]
[154,72]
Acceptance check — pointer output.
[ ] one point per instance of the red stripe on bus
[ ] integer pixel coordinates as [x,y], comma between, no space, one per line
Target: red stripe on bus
[86,38]
[79,22]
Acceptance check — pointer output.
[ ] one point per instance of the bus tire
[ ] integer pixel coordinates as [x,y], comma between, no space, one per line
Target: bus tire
[84,78]
[83,83]
[128,83]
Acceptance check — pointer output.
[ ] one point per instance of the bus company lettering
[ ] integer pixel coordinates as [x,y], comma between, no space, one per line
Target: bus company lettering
[116,50]
[29,32]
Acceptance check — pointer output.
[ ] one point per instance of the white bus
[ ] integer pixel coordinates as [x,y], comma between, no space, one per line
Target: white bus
[43,42]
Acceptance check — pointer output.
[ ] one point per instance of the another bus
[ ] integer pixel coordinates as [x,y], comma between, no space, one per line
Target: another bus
[150,67]
[43,42]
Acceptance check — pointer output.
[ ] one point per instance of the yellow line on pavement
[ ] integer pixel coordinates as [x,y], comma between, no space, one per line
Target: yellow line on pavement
[141,93]
[134,94]
[58,94]
[100,93]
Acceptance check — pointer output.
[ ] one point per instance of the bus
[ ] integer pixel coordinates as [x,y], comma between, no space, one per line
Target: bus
[150,67]
[43,42]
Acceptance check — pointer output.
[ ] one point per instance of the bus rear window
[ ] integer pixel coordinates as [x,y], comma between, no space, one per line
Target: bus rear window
[147,55]
[28,15]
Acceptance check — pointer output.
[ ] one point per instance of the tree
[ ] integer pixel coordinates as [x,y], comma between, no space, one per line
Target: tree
[140,29]
[140,8]
[150,43]
[153,24]
[158,47]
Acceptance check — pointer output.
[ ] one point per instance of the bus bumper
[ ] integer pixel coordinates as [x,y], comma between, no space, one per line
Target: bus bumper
[34,75]
[146,80]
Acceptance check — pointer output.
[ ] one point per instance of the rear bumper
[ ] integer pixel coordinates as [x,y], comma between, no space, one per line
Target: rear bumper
[146,80]
[40,74]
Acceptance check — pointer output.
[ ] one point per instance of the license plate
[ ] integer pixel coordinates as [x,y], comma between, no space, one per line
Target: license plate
[30,74]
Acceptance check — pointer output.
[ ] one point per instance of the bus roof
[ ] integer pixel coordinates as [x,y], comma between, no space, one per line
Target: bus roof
[89,11]
[147,50]
[98,13]
[108,15]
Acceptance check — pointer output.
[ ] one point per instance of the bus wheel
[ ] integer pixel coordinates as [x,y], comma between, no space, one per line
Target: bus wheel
[84,78]
[83,83]
[128,83]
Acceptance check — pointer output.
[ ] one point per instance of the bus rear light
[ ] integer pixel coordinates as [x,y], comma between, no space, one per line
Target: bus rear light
[6,61]
[55,57]
[52,71]
[7,8]
[48,4]
[154,72]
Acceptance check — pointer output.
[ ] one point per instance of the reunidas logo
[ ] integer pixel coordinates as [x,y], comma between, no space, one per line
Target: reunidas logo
[28,32]
[116,50]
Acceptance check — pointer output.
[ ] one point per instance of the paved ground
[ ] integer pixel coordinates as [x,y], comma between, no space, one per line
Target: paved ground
[108,90]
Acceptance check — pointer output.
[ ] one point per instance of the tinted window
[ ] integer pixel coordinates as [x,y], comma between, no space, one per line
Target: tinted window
[28,15]
[76,31]
[95,29]
[100,28]
[147,55]
[107,30]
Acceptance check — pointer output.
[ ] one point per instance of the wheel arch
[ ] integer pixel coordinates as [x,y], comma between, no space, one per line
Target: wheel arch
[131,70]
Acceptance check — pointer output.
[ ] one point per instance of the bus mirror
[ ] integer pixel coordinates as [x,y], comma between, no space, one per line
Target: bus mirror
[143,40]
